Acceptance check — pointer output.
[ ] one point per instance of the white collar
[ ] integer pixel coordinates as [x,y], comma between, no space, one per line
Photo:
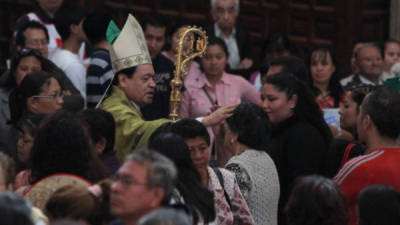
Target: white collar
[365,80]
[137,107]
[218,32]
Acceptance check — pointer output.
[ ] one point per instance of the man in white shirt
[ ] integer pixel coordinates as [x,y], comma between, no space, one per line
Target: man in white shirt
[68,22]
[369,64]
[224,14]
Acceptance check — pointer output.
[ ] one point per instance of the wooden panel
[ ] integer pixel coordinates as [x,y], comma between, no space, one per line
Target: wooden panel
[307,22]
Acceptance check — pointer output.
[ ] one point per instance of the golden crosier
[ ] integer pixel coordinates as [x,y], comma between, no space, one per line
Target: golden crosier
[192,43]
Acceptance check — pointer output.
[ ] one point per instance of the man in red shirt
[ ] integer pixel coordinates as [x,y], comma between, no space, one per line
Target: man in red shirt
[378,126]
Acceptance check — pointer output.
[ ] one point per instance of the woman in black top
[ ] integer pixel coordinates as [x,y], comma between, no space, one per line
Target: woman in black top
[300,136]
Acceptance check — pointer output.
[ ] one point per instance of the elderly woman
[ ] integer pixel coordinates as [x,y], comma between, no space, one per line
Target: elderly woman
[300,136]
[230,206]
[214,87]
[246,136]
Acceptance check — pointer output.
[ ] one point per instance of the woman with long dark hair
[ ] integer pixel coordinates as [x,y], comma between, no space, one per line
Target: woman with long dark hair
[324,78]
[188,184]
[300,136]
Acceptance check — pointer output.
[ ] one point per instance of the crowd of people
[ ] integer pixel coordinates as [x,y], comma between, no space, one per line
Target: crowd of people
[85,136]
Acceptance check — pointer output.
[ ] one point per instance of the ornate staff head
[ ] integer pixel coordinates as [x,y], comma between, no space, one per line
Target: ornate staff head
[192,43]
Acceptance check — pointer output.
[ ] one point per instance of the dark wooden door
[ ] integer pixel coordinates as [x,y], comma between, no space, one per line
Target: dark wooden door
[307,22]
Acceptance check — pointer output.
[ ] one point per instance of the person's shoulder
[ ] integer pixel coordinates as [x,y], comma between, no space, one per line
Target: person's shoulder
[162,64]
[234,78]
[227,174]
[100,53]
[62,56]
[100,58]
[242,33]
[258,154]
[209,28]
[163,58]
[346,80]
[302,127]
[241,29]
[358,165]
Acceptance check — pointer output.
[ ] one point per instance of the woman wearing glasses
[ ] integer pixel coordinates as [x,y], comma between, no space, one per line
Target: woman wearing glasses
[38,93]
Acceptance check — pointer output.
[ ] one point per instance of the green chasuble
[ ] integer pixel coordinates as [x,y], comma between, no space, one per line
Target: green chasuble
[131,131]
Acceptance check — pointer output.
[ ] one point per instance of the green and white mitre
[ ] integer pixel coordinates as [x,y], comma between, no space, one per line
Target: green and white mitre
[128,47]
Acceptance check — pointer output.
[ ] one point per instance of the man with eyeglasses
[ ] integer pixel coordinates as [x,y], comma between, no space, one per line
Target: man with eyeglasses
[143,183]
[33,35]
[44,14]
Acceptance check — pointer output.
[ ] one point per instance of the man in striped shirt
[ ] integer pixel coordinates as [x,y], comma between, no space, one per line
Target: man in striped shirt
[378,126]
[99,73]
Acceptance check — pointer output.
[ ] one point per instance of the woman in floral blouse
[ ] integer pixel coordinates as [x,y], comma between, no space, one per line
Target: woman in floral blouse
[230,206]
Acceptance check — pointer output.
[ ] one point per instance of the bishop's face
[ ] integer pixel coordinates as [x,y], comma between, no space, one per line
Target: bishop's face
[139,87]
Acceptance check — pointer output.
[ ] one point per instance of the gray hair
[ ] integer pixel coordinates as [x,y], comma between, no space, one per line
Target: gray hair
[162,172]
[15,210]
[214,3]
[370,45]
[165,217]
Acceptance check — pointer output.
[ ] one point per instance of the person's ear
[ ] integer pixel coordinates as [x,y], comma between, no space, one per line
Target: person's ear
[122,80]
[234,137]
[31,104]
[293,101]
[158,196]
[100,145]
[74,28]
[367,121]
